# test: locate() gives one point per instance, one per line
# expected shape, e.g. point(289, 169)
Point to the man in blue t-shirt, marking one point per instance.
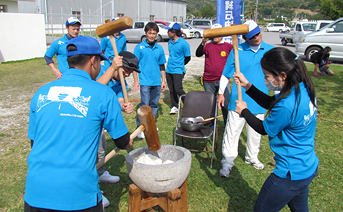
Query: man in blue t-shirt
point(107, 49)
point(65, 123)
point(151, 64)
point(179, 56)
point(58, 48)
point(110, 77)
point(250, 55)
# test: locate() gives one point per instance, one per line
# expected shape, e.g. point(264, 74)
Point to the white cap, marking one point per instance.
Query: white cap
point(253, 29)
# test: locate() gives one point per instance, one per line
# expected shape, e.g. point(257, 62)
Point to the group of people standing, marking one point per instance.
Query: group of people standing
point(69, 116)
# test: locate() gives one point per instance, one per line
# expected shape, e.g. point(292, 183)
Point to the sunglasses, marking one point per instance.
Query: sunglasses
point(253, 37)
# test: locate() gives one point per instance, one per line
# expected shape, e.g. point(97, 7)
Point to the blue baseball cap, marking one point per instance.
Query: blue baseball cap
point(85, 45)
point(72, 20)
point(175, 26)
point(253, 29)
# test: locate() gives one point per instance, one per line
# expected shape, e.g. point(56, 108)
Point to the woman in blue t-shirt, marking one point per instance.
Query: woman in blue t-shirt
point(291, 126)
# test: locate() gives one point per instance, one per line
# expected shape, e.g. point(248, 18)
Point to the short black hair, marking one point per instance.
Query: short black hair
point(177, 32)
point(80, 59)
point(151, 26)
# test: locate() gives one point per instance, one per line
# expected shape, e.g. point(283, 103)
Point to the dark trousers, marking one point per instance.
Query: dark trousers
point(97, 208)
point(213, 87)
point(174, 82)
point(276, 192)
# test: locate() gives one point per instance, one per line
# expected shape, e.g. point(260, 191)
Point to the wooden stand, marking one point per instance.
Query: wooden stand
point(174, 201)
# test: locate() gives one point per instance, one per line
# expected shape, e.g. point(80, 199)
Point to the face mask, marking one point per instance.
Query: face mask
point(271, 86)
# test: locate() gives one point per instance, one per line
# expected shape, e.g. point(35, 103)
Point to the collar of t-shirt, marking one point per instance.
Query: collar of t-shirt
point(255, 48)
point(69, 37)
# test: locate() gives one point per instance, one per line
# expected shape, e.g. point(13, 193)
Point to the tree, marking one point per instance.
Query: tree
point(331, 8)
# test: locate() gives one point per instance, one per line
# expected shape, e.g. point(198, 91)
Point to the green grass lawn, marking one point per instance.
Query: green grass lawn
point(206, 190)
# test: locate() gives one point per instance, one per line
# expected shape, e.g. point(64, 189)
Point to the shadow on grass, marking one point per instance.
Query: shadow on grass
point(235, 187)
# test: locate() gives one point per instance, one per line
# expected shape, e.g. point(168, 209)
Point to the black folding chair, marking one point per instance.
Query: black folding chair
point(198, 103)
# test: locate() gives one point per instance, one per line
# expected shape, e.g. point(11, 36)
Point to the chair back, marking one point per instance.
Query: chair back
point(199, 103)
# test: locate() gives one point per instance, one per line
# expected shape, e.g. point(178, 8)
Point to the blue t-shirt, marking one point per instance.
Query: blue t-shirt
point(250, 66)
point(59, 48)
point(150, 59)
point(106, 46)
point(291, 128)
point(115, 85)
point(178, 50)
point(66, 119)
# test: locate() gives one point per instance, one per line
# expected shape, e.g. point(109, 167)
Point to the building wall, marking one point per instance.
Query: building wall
point(26, 31)
point(136, 9)
point(12, 6)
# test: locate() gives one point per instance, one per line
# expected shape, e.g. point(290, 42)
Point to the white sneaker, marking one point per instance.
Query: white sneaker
point(105, 202)
point(256, 163)
point(174, 110)
point(107, 178)
point(225, 172)
point(141, 135)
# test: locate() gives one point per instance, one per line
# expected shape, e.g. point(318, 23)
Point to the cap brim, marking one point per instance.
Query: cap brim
point(102, 57)
point(253, 32)
point(168, 28)
point(132, 68)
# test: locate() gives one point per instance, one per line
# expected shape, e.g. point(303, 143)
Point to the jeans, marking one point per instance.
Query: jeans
point(276, 192)
point(213, 87)
point(174, 82)
point(149, 96)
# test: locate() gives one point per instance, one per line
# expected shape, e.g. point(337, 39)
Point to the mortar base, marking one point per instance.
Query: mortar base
point(172, 201)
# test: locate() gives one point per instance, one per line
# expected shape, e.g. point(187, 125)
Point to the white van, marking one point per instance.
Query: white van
point(331, 35)
point(202, 23)
point(277, 27)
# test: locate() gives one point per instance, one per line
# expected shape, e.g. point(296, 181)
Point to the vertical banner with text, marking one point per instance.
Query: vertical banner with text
point(229, 12)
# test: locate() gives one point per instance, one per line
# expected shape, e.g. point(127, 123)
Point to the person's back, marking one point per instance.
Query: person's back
point(66, 118)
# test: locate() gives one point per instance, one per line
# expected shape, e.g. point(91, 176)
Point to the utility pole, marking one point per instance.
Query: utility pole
point(256, 10)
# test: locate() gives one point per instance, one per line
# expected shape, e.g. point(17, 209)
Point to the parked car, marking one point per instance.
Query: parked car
point(322, 23)
point(198, 33)
point(331, 35)
point(137, 33)
point(186, 32)
point(277, 27)
point(295, 34)
point(202, 23)
point(166, 23)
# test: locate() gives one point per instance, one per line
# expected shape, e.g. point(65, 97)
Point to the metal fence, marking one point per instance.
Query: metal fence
point(55, 23)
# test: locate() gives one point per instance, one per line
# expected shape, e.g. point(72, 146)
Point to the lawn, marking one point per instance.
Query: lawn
point(206, 190)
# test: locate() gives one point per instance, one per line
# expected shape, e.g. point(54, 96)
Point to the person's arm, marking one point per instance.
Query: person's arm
point(187, 59)
point(106, 77)
point(51, 64)
point(123, 142)
point(200, 50)
point(224, 81)
point(260, 98)
point(163, 77)
point(136, 86)
point(253, 121)
point(127, 108)
point(57, 72)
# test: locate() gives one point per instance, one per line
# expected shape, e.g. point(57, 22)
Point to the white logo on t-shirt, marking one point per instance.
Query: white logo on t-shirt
point(60, 42)
point(308, 118)
point(69, 95)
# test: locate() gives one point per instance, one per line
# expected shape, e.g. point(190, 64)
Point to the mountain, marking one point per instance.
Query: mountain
point(266, 8)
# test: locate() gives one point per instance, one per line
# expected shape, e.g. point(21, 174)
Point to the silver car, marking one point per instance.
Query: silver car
point(198, 33)
point(137, 33)
point(331, 35)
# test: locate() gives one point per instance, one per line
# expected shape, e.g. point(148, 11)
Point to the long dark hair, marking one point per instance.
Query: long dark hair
point(279, 60)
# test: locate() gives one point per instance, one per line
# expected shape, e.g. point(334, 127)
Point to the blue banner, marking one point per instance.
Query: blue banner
point(229, 12)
